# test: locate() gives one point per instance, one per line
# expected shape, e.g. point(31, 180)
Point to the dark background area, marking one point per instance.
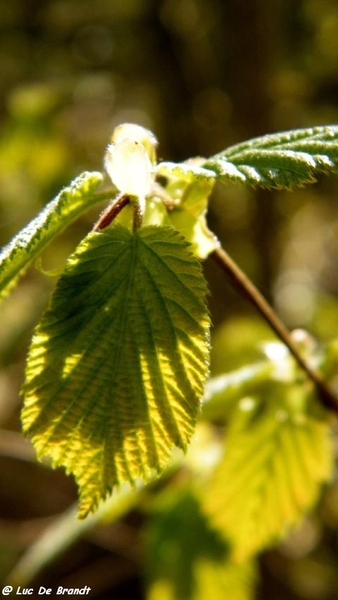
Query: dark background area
point(202, 76)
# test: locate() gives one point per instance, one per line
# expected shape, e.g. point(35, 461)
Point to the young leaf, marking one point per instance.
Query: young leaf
point(188, 171)
point(118, 363)
point(189, 217)
point(276, 459)
point(281, 160)
point(28, 243)
point(190, 186)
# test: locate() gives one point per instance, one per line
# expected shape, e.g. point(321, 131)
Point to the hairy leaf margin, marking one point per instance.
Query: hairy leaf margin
point(281, 160)
point(118, 363)
point(70, 203)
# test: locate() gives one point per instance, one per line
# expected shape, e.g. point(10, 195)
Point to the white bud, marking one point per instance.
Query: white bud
point(128, 164)
point(132, 131)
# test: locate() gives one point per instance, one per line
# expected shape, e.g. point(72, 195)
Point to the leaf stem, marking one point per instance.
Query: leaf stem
point(247, 289)
point(139, 208)
point(111, 212)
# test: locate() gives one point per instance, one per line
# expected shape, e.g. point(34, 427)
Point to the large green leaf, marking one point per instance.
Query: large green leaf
point(28, 243)
point(117, 366)
point(277, 456)
point(281, 160)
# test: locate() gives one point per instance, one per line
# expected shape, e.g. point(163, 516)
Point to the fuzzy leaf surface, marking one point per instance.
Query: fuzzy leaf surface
point(57, 214)
point(188, 171)
point(277, 457)
point(281, 160)
point(117, 366)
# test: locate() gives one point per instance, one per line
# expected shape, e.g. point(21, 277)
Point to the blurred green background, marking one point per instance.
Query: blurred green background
point(201, 75)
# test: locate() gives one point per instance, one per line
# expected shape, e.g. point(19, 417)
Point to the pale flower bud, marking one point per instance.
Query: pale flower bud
point(128, 164)
point(138, 133)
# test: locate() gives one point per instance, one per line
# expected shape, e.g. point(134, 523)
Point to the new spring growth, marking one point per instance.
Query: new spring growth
point(129, 162)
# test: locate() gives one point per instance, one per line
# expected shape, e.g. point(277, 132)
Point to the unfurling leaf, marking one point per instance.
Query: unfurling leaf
point(29, 243)
point(118, 363)
point(277, 457)
point(281, 160)
point(189, 186)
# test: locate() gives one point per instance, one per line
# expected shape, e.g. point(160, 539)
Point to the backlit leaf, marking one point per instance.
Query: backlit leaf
point(281, 160)
point(277, 456)
point(188, 186)
point(189, 216)
point(117, 365)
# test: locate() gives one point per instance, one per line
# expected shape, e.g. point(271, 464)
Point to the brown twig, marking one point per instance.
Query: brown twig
point(245, 286)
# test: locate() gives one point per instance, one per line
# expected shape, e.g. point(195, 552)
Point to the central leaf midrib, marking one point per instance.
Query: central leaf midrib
point(115, 362)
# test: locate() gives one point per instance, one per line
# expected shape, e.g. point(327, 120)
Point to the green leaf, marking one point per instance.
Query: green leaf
point(276, 458)
point(186, 560)
point(281, 160)
point(189, 171)
point(189, 186)
point(117, 366)
point(28, 243)
point(223, 391)
point(189, 217)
